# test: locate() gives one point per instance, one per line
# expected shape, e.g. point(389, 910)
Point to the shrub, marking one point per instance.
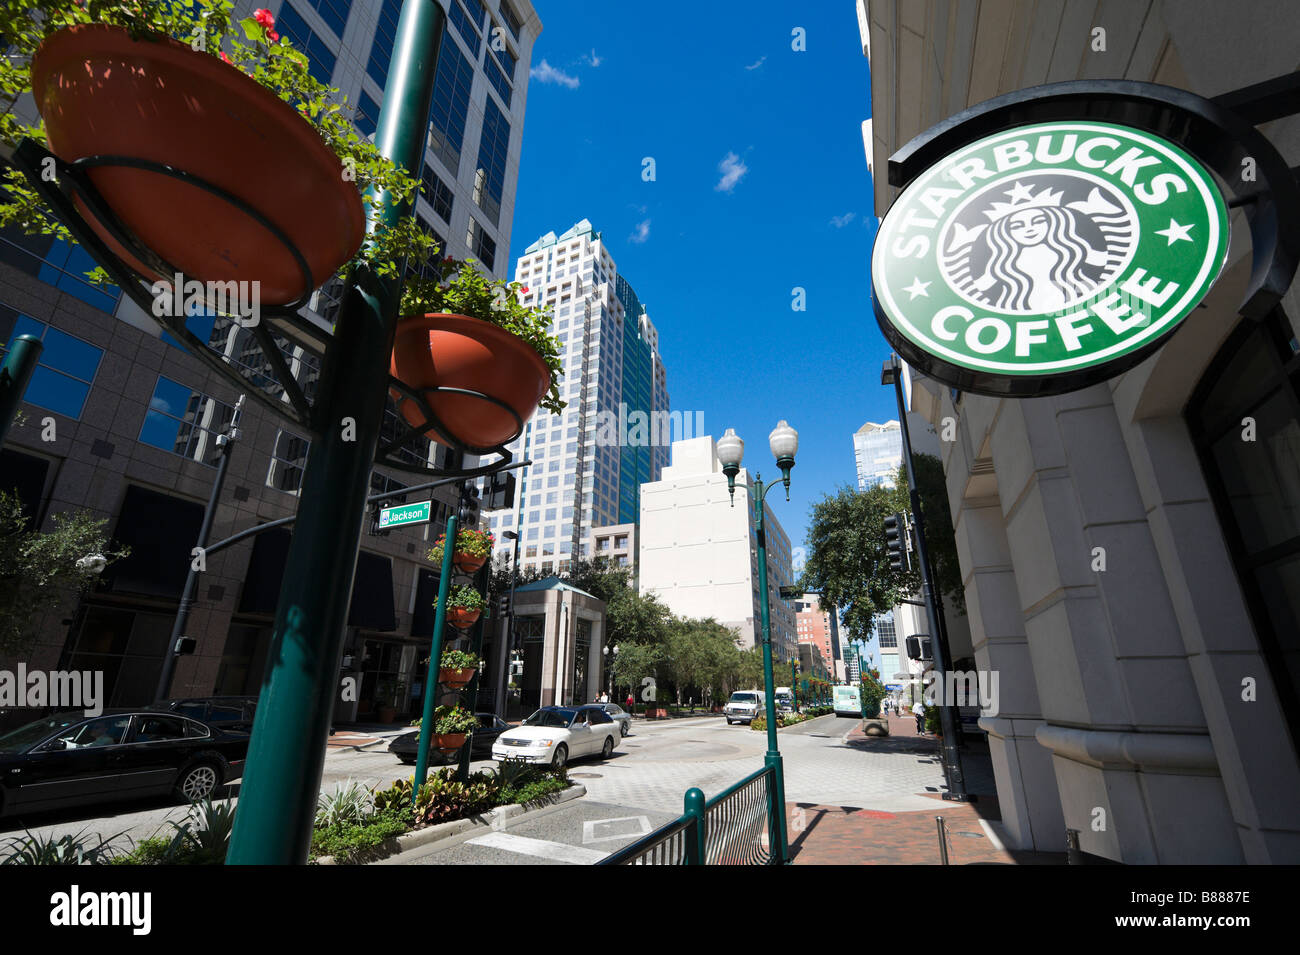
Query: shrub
point(349, 804)
point(396, 797)
point(530, 791)
point(350, 844)
point(35, 849)
point(442, 799)
point(203, 837)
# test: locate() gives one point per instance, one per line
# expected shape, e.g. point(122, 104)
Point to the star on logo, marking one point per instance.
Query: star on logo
point(1175, 232)
point(1020, 193)
point(917, 288)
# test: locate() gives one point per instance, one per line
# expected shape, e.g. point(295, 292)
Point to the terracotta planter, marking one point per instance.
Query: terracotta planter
point(455, 351)
point(455, 679)
point(448, 742)
point(467, 563)
point(103, 94)
point(461, 618)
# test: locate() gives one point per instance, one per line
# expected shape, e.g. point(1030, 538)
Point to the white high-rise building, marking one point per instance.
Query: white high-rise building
point(590, 461)
point(699, 553)
point(878, 452)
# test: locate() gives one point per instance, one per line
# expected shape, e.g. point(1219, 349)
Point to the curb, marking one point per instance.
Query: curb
point(446, 830)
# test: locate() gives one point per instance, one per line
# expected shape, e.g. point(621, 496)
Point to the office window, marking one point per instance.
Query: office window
point(65, 369)
point(464, 27)
point(493, 147)
point(367, 115)
point(512, 21)
point(481, 244)
point(333, 12)
point(381, 49)
point(288, 459)
point(184, 421)
point(55, 262)
point(451, 88)
point(497, 77)
point(436, 193)
point(320, 57)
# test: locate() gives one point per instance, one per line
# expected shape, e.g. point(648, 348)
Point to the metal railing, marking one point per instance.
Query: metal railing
point(735, 827)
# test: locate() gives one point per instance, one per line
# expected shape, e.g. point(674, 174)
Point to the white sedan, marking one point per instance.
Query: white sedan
point(556, 734)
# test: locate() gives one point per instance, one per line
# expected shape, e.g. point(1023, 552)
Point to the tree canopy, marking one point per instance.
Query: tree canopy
point(848, 562)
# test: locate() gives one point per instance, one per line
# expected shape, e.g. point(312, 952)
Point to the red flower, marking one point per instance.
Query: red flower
point(226, 58)
point(264, 18)
point(275, 37)
point(524, 290)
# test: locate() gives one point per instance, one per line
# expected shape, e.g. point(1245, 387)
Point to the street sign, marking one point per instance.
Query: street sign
point(1048, 257)
point(791, 593)
point(405, 514)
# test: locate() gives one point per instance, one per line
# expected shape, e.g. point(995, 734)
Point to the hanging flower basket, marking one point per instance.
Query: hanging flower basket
point(448, 743)
point(462, 618)
point(455, 679)
point(155, 100)
point(472, 550)
point(507, 375)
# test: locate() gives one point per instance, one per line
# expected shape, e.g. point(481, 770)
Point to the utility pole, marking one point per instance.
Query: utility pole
point(892, 375)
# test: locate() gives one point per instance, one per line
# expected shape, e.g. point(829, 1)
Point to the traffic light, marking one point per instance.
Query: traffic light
point(469, 506)
point(918, 647)
point(500, 493)
point(895, 527)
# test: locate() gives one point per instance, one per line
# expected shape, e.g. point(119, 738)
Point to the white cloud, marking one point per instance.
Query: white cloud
point(642, 232)
point(593, 59)
point(757, 63)
point(841, 221)
point(733, 170)
point(545, 73)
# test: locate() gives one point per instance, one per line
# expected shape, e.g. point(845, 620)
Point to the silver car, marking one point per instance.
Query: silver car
point(618, 715)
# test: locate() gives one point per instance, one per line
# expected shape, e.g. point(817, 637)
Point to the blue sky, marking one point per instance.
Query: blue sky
point(715, 266)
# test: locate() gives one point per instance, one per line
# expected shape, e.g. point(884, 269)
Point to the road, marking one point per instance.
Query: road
point(637, 790)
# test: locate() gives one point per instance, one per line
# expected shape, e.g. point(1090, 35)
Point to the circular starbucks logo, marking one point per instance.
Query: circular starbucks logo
point(1048, 257)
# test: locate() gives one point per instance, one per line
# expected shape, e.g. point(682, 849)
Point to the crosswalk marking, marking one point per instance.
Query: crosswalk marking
point(541, 848)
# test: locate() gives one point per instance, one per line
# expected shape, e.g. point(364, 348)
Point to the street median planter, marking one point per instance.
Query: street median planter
point(133, 106)
point(503, 373)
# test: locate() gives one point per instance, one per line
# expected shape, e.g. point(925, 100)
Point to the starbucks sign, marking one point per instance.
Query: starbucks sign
point(1048, 257)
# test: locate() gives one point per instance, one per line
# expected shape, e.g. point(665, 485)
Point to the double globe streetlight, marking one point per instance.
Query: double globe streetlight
point(784, 442)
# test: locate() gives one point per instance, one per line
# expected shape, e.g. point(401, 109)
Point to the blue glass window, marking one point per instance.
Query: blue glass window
point(367, 117)
point(494, 146)
point(333, 12)
point(466, 29)
point(481, 244)
point(451, 90)
point(184, 421)
point(498, 80)
point(60, 264)
point(436, 193)
point(381, 48)
point(320, 58)
point(65, 369)
point(200, 325)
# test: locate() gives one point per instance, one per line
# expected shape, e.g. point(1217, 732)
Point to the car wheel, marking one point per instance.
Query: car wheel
point(407, 760)
point(622, 729)
point(561, 756)
point(730, 721)
point(198, 782)
point(608, 749)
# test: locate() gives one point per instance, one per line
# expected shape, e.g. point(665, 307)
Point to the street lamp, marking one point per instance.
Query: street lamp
point(609, 672)
point(784, 443)
point(508, 638)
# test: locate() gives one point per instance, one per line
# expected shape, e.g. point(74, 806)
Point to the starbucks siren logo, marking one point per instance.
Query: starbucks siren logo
point(1061, 250)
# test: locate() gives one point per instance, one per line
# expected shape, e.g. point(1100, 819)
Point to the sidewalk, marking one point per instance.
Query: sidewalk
point(849, 835)
point(362, 735)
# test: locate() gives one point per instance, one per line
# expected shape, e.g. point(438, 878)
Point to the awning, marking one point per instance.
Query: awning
point(161, 531)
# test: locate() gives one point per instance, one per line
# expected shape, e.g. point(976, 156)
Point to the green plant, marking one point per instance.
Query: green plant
point(204, 835)
point(350, 804)
point(459, 660)
point(453, 719)
point(471, 542)
point(932, 723)
point(36, 849)
point(257, 50)
point(463, 598)
point(530, 791)
point(352, 843)
point(154, 851)
point(459, 288)
point(395, 798)
point(442, 798)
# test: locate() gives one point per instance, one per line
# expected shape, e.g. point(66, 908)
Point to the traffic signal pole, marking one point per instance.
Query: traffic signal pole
point(947, 712)
point(286, 755)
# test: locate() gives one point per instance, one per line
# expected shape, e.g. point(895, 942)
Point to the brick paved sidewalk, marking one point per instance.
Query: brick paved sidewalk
point(849, 835)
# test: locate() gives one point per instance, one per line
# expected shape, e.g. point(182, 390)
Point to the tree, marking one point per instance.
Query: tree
point(38, 569)
point(848, 561)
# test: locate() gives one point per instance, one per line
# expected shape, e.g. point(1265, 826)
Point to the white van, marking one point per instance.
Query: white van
point(784, 698)
point(847, 700)
point(743, 706)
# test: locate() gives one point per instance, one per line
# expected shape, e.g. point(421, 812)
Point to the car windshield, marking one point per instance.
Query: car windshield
point(743, 698)
point(33, 733)
point(549, 717)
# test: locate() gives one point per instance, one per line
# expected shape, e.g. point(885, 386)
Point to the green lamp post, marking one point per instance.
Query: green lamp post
point(794, 683)
point(783, 442)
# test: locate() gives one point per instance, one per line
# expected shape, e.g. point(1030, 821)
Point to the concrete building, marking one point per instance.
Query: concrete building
point(814, 623)
point(136, 416)
point(617, 543)
point(877, 452)
point(700, 555)
point(1150, 706)
point(561, 632)
point(590, 461)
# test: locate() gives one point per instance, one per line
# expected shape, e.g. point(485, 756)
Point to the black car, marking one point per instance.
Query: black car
point(224, 712)
point(490, 726)
point(69, 759)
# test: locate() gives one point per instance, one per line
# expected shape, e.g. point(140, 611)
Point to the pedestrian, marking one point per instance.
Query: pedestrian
point(918, 710)
point(604, 697)
point(631, 703)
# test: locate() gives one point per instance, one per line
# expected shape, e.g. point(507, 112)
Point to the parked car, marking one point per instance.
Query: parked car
point(407, 746)
point(784, 699)
point(556, 734)
point(225, 712)
point(69, 759)
point(618, 715)
point(743, 706)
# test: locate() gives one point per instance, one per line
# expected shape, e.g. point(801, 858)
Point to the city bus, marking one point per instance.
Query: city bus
point(847, 700)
